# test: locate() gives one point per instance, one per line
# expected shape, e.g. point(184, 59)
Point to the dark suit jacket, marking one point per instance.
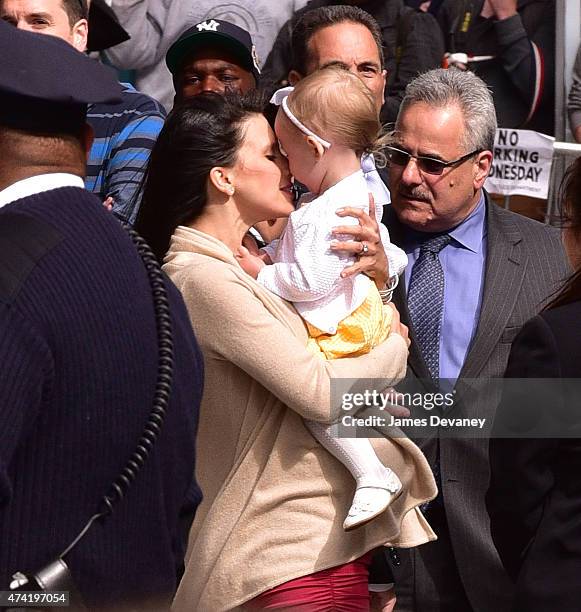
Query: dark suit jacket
point(525, 264)
point(535, 495)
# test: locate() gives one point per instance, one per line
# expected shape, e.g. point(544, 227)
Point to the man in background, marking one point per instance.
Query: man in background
point(154, 25)
point(213, 56)
point(510, 45)
point(125, 132)
point(349, 37)
point(574, 99)
point(411, 43)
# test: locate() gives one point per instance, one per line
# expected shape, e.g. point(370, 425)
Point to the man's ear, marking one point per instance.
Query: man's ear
point(384, 75)
point(317, 148)
point(222, 179)
point(294, 77)
point(80, 34)
point(87, 137)
point(483, 165)
point(177, 86)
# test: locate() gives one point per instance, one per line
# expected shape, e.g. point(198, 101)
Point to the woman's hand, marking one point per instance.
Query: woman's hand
point(250, 243)
point(249, 262)
point(499, 9)
point(365, 243)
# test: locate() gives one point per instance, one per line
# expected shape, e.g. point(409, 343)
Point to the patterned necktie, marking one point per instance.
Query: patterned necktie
point(426, 300)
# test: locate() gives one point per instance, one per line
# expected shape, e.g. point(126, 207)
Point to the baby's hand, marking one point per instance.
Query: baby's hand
point(265, 257)
point(251, 264)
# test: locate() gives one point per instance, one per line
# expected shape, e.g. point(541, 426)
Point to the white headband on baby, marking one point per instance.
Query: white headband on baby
point(279, 98)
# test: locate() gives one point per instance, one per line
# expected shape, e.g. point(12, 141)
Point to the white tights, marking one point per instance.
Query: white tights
point(356, 454)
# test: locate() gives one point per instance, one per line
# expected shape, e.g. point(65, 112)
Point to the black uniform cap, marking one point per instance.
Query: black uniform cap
point(46, 85)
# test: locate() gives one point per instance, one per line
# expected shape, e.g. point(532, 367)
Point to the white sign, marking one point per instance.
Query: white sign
point(521, 164)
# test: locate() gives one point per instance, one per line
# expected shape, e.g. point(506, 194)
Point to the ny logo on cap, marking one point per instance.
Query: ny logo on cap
point(209, 26)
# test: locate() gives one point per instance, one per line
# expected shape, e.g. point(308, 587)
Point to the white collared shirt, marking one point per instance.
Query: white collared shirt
point(305, 271)
point(39, 184)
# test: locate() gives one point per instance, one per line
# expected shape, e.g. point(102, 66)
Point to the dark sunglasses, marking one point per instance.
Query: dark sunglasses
point(429, 165)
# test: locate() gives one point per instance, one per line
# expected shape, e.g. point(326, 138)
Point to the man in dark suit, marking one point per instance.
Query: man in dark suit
point(477, 273)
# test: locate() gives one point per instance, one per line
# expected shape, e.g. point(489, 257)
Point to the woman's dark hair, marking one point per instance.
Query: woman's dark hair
point(199, 134)
point(570, 198)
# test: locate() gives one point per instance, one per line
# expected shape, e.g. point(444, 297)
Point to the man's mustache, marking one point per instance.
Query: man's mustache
point(415, 194)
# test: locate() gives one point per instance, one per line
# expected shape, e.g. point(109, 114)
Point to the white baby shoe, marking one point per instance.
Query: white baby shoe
point(370, 501)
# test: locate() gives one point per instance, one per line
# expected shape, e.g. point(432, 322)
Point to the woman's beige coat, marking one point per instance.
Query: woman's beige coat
point(274, 498)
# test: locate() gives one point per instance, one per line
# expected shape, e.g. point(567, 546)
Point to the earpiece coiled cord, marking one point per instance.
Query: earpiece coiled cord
point(161, 396)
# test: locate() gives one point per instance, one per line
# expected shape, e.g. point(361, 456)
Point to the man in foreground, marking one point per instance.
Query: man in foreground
point(81, 355)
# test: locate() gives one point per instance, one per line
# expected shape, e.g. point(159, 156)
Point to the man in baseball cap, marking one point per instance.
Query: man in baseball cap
point(213, 55)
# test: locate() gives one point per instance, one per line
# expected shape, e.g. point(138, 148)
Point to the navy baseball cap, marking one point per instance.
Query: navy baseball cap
point(214, 32)
point(46, 85)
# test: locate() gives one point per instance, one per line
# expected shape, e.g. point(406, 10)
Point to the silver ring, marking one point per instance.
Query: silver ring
point(365, 248)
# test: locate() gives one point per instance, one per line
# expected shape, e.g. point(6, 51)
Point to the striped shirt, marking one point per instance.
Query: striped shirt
point(124, 136)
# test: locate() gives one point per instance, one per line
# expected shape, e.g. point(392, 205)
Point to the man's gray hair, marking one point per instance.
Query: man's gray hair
point(441, 88)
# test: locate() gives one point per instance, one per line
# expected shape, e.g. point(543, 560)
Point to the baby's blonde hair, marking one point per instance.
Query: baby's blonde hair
point(336, 105)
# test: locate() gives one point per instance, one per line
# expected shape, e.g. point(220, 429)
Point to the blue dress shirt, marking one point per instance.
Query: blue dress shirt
point(463, 262)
